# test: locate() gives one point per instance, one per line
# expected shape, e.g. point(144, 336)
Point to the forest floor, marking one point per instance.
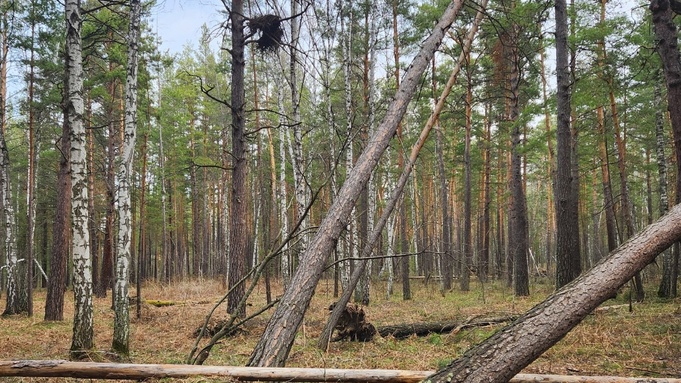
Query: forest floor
point(644, 342)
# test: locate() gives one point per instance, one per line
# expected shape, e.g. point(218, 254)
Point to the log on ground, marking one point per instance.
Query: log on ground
point(401, 331)
point(91, 370)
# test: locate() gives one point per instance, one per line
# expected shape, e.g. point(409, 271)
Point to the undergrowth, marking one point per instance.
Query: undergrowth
point(643, 342)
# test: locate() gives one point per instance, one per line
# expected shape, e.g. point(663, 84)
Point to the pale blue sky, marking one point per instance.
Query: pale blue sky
point(178, 22)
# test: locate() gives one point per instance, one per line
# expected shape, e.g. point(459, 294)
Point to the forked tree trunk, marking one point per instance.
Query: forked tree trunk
point(508, 351)
point(83, 326)
point(275, 343)
point(121, 333)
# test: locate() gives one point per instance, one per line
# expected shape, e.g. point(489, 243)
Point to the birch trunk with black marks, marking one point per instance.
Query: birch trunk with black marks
point(121, 333)
point(83, 331)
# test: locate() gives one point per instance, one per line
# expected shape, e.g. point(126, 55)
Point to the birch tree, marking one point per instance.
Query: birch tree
point(6, 209)
point(121, 332)
point(83, 332)
point(276, 341)
point(8, 223)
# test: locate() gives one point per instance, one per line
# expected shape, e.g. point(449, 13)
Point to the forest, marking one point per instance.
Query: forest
point(375, 146)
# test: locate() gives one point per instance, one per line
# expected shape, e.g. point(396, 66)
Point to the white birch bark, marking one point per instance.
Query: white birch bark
point(349, 153)
point(298, 157)
point(283, 195)
point(7, 236)
point(10, 249)
point(83, 332)
point(121, 332)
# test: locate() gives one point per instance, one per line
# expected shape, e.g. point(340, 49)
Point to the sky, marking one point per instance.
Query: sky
point(178, 22)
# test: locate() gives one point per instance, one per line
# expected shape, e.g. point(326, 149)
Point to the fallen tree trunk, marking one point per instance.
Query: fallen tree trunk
point(401, 331)
point(514, 347)
point(90, 370)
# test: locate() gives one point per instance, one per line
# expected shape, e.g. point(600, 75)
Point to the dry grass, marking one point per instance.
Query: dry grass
point(646, 342)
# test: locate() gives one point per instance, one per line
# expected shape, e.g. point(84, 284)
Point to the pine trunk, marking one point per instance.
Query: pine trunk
point(568, 258)
point(667, 47)
point(238, 225)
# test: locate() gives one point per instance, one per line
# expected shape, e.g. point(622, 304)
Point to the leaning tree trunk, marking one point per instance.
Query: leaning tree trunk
point(508, 351)
point(121, 333)
point(83, 330)
point(275, 343)
point(667, 48)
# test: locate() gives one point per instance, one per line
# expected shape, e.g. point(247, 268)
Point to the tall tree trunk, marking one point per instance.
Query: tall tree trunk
point(283, 197)
point(13, 305)
point(61, 234)
point(275, 343)
point(121, 333)
point(550, 166)
point(6, 208)
point(445, 218)
point(404, 243)
point(300, 186)
point(142, 261)
point(467, 256)
point(4, 50)
point(668, 283)
point(238, 226)
point(31, 172)
point(667, 48)
point(518, 214)
point(83, 330)
point(568, 258)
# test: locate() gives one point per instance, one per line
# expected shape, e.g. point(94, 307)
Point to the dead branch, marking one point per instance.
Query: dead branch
point(117, 371)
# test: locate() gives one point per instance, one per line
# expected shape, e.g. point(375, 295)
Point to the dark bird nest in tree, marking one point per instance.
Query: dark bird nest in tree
point(269, 27)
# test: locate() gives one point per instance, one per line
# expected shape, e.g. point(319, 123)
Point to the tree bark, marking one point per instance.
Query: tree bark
point(568, 258)
point(667, 48)
point(508, 351)
point(406, 330)
point(83, 327)
point(54, 302)
point(667, 283)
point(128, 371)
point(519, 246)
point(238, 237)
point(121, 333)
point(6, 209)
point(277, 339)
